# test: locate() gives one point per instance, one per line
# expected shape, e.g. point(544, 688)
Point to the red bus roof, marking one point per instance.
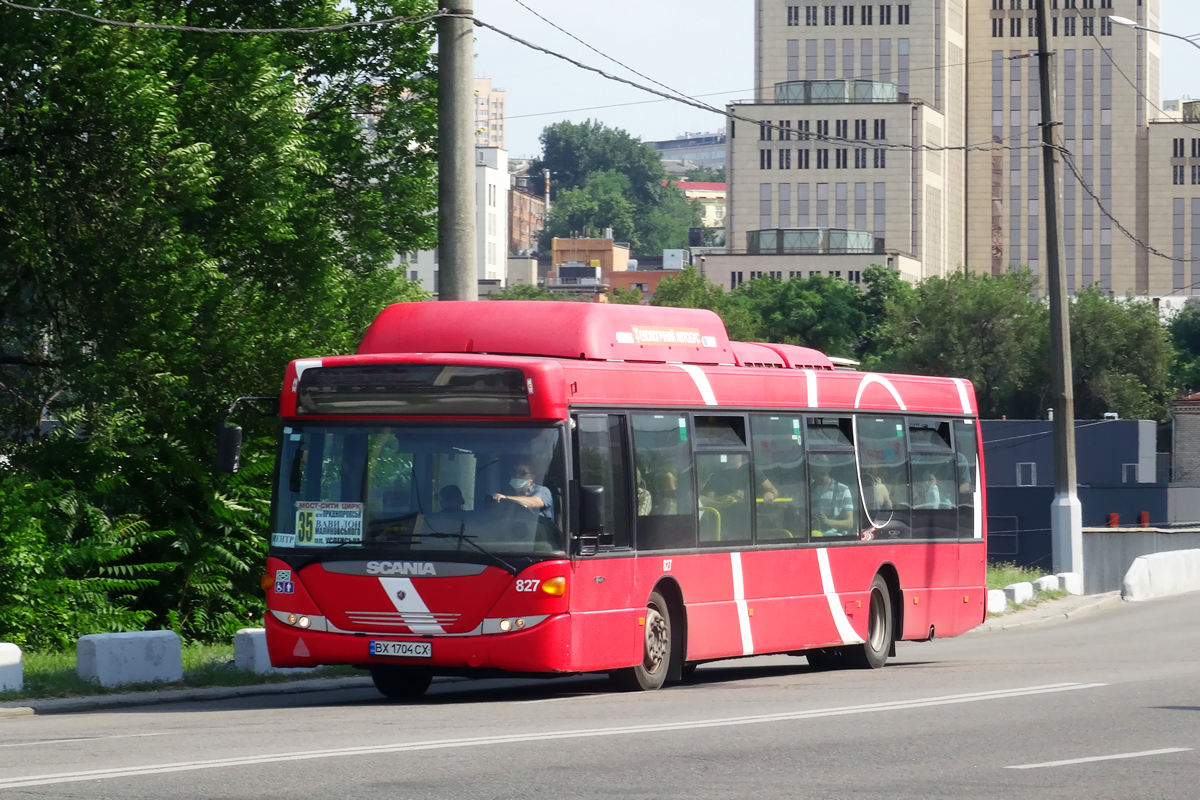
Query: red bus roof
point(590, 331)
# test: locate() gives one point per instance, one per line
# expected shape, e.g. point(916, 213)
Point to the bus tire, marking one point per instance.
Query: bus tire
point(651, 674)
point(873, 653)
point(399, 683)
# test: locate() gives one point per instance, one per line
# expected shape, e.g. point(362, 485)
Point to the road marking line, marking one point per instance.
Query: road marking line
point(85, 739)
point(1101, 758)
point(443, 744)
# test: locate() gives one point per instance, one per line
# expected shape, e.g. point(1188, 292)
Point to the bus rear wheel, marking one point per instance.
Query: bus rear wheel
point(400, 683)
point(873, 653)
point(656, 651)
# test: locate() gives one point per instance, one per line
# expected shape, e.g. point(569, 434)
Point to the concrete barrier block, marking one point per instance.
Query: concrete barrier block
point(1046, 583)
point(1071, 582)
point(12, 669)
point(1162, 575)
point(1018, 593)
point(997, 603)
point(250, 653)
point(114, 659)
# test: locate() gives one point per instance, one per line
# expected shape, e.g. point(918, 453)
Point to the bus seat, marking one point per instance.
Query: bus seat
point(710, 524)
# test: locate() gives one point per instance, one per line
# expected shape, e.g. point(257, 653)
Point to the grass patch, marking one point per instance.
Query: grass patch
point(49, 675)
point(1002, 574)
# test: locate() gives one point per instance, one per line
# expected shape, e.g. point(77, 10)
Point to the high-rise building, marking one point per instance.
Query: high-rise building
point(1107, 87)
point(489, 115)
point(909, 134)
point(838, 163)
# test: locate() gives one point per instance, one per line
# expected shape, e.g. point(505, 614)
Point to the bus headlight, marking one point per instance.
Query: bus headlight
point(555, 587)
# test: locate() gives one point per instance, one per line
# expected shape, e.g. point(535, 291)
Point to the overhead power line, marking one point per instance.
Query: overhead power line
point(245, 31)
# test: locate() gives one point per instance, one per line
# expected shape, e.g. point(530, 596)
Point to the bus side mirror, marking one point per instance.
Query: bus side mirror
point(229, 448)
point(591, 511)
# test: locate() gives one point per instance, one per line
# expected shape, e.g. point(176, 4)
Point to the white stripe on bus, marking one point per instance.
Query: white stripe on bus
point(701, 381)
point(408, 602)
point(962, 394)
point(882, 381)
point(306, 363)
point(810, 377)
point(739, 597)
point(845, 629)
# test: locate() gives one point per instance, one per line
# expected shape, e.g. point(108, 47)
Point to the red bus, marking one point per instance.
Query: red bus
point(545, 488)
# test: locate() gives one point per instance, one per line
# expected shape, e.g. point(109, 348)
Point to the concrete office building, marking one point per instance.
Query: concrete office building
point(1107, 82)
point(489, 115)
point(1173, 227)
point(853, 89)
point(840, 164)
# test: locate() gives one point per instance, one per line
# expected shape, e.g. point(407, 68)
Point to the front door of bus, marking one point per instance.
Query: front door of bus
point(605, 623)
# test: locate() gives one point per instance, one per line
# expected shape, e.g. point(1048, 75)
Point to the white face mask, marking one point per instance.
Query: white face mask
point(518, 483)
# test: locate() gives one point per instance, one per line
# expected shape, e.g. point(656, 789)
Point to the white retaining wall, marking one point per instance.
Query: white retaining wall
point(114, 659)
point(12, 672)
point(1162, 574)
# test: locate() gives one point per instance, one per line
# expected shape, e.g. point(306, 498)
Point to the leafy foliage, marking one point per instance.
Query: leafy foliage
point(183, 214)
point(602, 177)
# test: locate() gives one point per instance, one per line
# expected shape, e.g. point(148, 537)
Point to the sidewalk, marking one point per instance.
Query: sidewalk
point(1049, 612)
point(104, 702)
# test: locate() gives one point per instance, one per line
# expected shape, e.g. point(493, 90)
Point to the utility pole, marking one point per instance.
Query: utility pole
point(458, 271)
point(1066, 515)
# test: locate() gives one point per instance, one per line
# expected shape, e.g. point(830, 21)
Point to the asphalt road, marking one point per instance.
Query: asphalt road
point(1115, 695)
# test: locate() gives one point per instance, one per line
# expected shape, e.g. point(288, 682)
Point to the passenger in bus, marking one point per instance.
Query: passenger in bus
point(726, 485)
point(928, 493)
point(832, 504)
point(452, 498)
point(525, 492)
point(664, 488)
point(880, 495)
point(645, 500)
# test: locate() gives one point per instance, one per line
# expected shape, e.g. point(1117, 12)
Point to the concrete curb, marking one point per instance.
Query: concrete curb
point(104, 702)
point(1050, 615)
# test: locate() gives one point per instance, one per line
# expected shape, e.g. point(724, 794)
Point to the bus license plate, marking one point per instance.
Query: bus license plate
point(402, 649)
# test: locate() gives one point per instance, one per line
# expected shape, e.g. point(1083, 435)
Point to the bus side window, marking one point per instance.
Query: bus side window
point(833, 496)
point(601, 440)
point(966, 460)
point(883, 465)
point(662, 456)
point(935, 510)
point(781, 491)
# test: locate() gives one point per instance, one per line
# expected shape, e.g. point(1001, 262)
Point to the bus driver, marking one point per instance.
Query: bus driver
point(527, 493)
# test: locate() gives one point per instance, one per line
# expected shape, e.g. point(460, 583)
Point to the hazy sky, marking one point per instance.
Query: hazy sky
point(699, 47)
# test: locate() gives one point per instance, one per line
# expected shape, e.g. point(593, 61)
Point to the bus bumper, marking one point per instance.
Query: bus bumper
point(543, 648)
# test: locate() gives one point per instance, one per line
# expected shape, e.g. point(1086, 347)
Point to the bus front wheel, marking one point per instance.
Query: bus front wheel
point(873, 653)
point(656, 650)
point(399, 683)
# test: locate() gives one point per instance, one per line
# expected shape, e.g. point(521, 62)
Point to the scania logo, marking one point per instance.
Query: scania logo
point(400, 595)
point(400, 568)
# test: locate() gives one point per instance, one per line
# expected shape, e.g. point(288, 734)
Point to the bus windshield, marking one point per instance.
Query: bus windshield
point(412, 489)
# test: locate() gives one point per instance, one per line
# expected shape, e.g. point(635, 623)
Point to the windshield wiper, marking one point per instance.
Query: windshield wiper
point(462, 538)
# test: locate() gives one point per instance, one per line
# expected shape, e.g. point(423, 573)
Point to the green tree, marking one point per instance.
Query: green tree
point(183, 214)
point(1184, 328)
point(592, 166)
point(1121, 357)
point(622, 296)
point(706, 175)
point(983, 328)
point(572, 151)
point(524, 291)
point(598, 204)
point(821, 312)
point(690, 289)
